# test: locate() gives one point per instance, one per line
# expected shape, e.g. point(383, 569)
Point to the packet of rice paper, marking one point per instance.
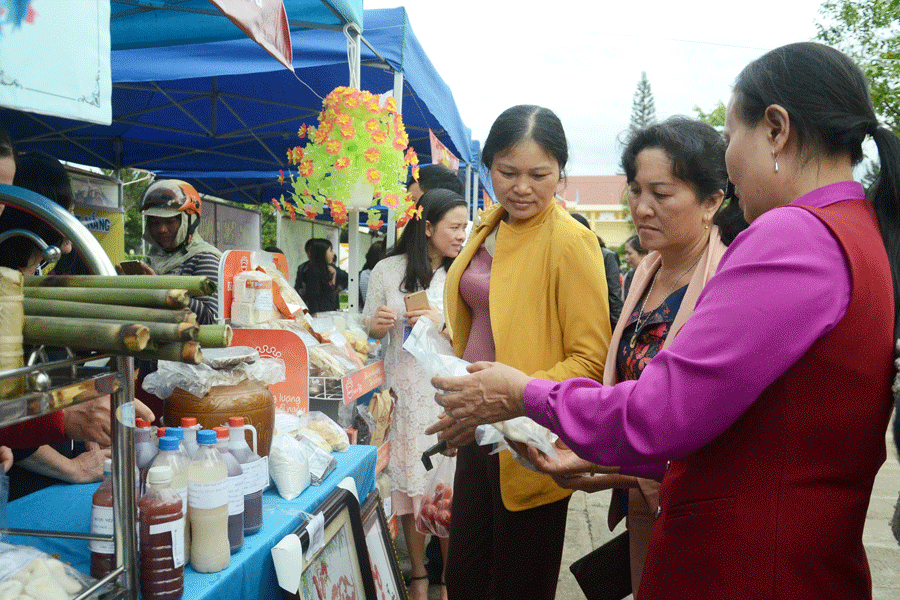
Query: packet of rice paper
point(435, 354)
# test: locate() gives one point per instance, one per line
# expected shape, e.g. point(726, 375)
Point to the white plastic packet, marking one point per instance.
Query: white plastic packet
point(288, 466)
point(28, 571)
point(327, 428)
point(435, 355)
point(321, 463)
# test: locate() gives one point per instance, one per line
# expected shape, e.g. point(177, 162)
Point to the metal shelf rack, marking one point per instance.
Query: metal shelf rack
point(57, 384)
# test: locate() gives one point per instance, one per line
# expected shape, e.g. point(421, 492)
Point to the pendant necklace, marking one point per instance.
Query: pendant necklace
point(637, 322)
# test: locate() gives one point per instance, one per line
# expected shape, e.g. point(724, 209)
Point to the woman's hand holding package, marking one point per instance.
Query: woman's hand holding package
point(450, 430)
point(413, 316)
point(381, 322)
point(568, 470)
point(492, 392)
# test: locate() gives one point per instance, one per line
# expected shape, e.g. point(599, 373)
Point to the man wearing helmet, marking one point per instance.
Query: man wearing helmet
point(171, 210)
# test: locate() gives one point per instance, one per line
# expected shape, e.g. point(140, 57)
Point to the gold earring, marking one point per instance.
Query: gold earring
point(776, 160)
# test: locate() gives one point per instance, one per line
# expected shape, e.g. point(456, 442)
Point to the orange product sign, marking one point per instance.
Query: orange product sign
point(292, 394)
point(361, 382)
point(383, 457)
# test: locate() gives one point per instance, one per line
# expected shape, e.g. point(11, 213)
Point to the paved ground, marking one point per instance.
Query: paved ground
point(587, 530)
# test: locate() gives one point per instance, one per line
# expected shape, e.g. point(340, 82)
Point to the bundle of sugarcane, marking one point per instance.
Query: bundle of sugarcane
point(194, 285)
point(141, 316)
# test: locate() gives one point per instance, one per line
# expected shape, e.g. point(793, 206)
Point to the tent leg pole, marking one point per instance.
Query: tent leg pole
point(353, 265)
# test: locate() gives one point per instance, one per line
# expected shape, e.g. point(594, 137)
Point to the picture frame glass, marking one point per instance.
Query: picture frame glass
point(334, 572)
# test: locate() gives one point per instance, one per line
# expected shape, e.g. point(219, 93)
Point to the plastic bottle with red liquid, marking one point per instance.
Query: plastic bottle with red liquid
point(162, 538)
point(144, 452)
point(190, 426)
point(256, 473)
point(235, 491)
point(170, 456)
point(103, 553)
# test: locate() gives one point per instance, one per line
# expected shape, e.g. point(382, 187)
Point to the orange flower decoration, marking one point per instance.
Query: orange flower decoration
point(391, 200)
point(310, 212)
point(348, 133)
point(376, 226)
point(281, 176)
point(342, 119)
point(333, 146)
point(411, 157)
point(399, 143)
point(372, 155)
point(302, 133)
point(372, 125)
point(342, 163)
point(373, 107)
point(374, 176)
point(378, 136)
point(306, 168)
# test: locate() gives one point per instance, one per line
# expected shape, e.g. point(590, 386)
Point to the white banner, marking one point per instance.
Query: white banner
point(55, 58)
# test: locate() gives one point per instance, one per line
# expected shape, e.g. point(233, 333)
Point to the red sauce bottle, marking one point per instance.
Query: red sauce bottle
point(103, 554)
point(162, 538)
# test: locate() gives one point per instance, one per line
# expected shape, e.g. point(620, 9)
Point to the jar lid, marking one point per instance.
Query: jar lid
point(225, 358)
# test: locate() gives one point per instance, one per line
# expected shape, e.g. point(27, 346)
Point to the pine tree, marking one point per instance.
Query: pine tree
point(643, 108)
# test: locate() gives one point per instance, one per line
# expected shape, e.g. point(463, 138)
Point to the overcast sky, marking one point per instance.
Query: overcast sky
point(583, 58)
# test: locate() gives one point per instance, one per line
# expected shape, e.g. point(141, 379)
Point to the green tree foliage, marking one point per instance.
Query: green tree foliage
point(715, 117)
point(869, 32)
point(643, 107)
point(268, 218)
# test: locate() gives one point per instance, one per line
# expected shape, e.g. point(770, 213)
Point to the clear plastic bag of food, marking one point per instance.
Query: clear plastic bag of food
point(322, 424)
point(26, 571)
point(321, 463)
point(434, 353)
point(198, 379)
point(288, 466)
point(435, 511)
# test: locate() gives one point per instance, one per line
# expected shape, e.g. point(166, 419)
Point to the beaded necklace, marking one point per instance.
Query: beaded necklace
point(637, 322)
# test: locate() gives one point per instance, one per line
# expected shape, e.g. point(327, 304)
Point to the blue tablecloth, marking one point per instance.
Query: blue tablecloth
point(251, 573)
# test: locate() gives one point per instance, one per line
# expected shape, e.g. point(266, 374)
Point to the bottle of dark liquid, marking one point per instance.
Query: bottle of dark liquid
point(256, 474)
point(235, 491)
point(162, 538)
point(103, 554)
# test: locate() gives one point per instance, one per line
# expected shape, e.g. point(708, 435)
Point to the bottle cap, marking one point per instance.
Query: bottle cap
point(160, 431)
point(175, 432)
point(107, 466)
point(141, 423)
point(159, 475)
point(206, 436)
point(235, 421)
point(188, 421)
point(222, 432)
point(168, 443)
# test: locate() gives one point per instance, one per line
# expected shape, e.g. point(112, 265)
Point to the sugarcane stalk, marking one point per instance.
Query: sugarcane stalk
point(166, 332)
point(186, 352)
point(86, 334)
point(215, 336)
point(196, 285)
point(88, 310)
point(167, 299)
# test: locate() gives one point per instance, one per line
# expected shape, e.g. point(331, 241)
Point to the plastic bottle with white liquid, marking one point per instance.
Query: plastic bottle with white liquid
point(170, 455)
point(208, 506)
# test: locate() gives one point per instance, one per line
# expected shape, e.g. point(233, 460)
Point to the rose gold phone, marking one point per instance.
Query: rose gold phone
point(416, 300)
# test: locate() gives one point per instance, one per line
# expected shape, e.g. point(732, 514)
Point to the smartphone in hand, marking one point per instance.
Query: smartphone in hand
point(416, 300)
point(132, 267)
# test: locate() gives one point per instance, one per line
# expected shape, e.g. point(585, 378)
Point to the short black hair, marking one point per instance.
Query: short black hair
point(439, 177)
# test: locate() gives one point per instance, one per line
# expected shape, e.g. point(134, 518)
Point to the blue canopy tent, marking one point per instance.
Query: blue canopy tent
point(147, 23)
point(228, 107)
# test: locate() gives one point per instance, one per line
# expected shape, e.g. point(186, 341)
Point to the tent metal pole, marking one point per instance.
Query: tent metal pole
point(353, 265)
point(469, 197)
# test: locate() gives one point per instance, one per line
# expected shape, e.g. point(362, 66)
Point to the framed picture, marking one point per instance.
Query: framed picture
point(339, 570)
point(386, 572)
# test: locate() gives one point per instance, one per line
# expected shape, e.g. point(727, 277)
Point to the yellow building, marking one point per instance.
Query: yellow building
point(600, 199)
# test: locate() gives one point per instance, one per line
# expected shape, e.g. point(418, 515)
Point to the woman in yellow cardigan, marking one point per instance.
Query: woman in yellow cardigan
point(528, 290)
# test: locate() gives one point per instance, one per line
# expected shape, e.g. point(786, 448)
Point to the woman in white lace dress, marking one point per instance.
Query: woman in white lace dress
point(419, 261)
